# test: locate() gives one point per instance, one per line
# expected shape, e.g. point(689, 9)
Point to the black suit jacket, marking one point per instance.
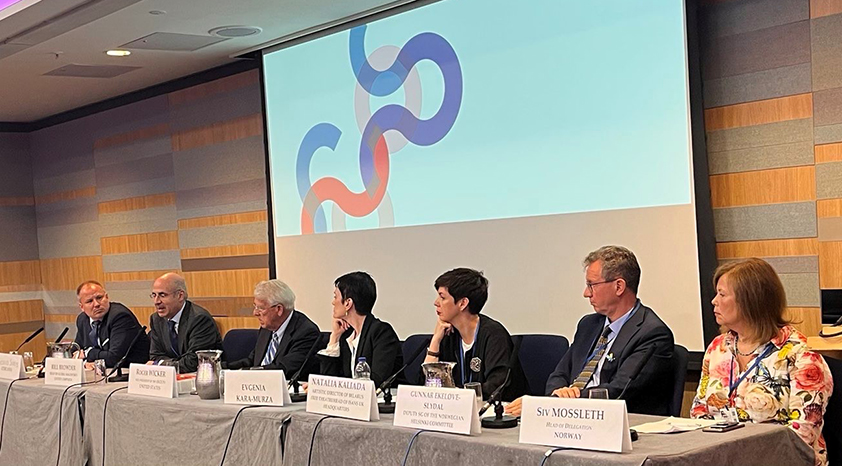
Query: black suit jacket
point(493, 347)
point(651, 391)
point(378, 343)
point(196, 331)
point(298, 338)
point(119, 326)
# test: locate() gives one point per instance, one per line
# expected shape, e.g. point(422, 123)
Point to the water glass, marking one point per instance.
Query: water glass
point(477, 388)
point(598, 393)
point(99, 370)
point(28, 361)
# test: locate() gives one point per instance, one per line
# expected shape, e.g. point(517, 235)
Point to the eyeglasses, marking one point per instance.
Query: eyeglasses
point(162, 294)
point(591, 285)
point(264, 309)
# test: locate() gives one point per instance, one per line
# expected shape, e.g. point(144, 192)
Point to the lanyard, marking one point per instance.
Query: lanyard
point(462, 354)
point(754, 366)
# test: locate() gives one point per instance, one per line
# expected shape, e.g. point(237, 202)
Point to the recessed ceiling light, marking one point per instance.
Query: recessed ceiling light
point(118, 53)
point(157, 12)
point(235, 31)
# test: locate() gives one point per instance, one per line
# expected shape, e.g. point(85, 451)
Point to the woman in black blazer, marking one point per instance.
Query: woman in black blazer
point(357, 333)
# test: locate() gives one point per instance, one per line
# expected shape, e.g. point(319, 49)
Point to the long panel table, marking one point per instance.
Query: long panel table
point(142, 430)
point(342, 441)
point(29, 434)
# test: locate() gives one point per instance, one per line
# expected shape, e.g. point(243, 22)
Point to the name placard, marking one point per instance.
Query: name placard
point(451, 410)
point(341, 397)
point(11, 367)
point(152, 381)
point(581, 423)
point(64, 372)
point(256, 388)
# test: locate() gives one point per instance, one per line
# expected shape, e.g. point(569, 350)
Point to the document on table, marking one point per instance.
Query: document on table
point(671, 425)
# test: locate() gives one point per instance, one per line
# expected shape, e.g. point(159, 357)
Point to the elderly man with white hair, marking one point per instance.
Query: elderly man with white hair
point(285, 336)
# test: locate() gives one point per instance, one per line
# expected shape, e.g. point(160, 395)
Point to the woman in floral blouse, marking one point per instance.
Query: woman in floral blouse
point(761, 366)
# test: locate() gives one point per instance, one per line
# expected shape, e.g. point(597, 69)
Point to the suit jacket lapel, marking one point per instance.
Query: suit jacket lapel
point(287, 337)
point(182, 327)
point(592, 335)
point(361, 343)
point(260, 346)
point(629, 330)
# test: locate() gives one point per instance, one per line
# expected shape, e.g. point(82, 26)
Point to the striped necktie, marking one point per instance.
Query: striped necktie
point(271, 350)
point(590, 366)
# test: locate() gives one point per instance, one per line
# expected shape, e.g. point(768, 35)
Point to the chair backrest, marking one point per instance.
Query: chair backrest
point(679, 370)
point(539, 355)
point(413, 373)
point(238, 343)
point(832, 429)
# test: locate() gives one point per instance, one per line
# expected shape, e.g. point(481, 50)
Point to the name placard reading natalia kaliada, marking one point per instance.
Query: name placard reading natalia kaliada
point(341, 397)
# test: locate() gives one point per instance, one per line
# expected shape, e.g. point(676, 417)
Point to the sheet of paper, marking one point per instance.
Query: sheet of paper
point(672, 425)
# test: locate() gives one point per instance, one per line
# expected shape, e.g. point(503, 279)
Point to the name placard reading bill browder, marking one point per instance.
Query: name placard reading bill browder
point(64, 372)
point(576, 423)
point(152, 381)
point(441, 409)
point(256, 388)
point(11, 367)
point(341, 397)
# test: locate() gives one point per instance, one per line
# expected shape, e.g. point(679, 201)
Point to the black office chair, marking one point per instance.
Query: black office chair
point(679, 370)
point(539, 355)
point(238, 343)
point(413, 373)
point(832, 429)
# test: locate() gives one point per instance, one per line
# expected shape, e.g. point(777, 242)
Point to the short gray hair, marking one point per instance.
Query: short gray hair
point(275, 292)
point(617, 262)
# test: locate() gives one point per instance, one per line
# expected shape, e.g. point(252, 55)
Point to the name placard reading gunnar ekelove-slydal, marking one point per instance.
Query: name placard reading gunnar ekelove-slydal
point(64, 372)
point(441, 409)
point(341, 397)
point(576, 423)
point(11, 367)
point(152, 381)
point(256, 388)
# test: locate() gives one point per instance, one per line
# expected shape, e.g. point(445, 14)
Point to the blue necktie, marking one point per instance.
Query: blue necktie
point(173, 337)
point(271, 350)
point(94, 335)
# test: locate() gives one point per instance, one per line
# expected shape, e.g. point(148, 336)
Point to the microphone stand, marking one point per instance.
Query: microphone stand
point(297, 396)
point(120, 377)
point(386, 406)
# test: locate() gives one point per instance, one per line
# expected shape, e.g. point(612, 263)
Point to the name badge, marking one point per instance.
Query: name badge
point(152, 381)
point(585, 424)
point(341, 397)
point(11, 367)
point(64, 372)
point(451, 410)
point(256, 388)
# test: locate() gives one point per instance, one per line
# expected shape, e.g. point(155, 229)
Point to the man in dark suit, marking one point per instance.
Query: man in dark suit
point(285, 336)
point(610, 343)
point(105, 329)
point(179, 328)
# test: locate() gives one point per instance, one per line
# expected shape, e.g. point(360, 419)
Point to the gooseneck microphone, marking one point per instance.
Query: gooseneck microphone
point(636, 370)
point(293, 381)
point(500, 421)
point(44, 361)
point(120, 377)
point(29, 338)
point(387, 406)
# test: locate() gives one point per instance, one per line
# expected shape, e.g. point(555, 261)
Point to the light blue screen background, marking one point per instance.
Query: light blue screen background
point(567, 106)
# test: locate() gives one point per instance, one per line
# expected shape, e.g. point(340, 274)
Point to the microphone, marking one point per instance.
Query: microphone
point(388, 382)
point(500, 421)
point(29, 338)
point(293, 381)
point(44, 361)
point(387, 406)
point(120, 377)
point(638, 368)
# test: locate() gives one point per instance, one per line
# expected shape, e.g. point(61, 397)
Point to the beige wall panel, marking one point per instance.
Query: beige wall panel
point(760, 112)
point(90, 191)
point(21, 311)
point(828, 153)
point(218, 86)
point(830, 258)
point(820, 8)
point(144, 242)
point(136, 276)
point(136, 203)
point(67, 273)
point(38, 345)
point(778, 186)
point(808, 320)
point(20, 273)
point(219, 132)
point(226, 251)
point(227, 323)
point(16, 201)
point(226, 219)
point(224, 283)
point(769, 248)
point(123, 138)
point(829, 208)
